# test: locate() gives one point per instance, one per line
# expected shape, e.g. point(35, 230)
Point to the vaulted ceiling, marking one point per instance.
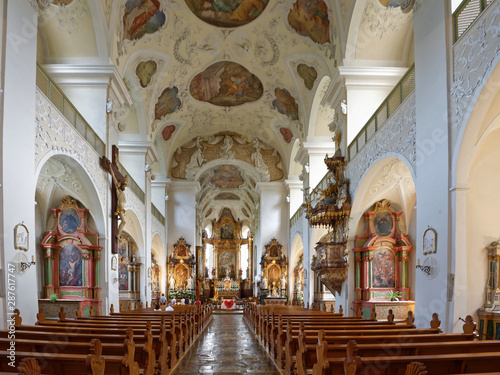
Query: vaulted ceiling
point(224, 88)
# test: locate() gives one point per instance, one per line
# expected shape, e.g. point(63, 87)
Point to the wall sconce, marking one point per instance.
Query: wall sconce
point(147, 168)
point(343, 105)
point(424, 269)
point(26, 265)
point(166, 197)
point(306, 167)
point(288, 199)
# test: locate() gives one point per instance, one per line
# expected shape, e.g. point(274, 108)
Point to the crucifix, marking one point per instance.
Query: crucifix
point(117, 197)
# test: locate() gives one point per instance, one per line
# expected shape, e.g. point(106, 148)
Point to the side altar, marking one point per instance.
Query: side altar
point(273, 284)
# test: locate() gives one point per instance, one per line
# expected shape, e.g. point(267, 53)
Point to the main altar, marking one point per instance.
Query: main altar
point(226, 278)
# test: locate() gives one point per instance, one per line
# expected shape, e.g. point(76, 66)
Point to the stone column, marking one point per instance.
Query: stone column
point(432, 41)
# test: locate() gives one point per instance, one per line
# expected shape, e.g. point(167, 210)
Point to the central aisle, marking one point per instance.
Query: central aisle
point(227, 346)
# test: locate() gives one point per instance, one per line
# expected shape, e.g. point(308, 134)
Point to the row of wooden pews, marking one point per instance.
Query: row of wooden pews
point(135, 342)
point(302, 341)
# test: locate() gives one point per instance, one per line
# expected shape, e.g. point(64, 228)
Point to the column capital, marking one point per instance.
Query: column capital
point(92, 75)
point(270, 186)
point(193, 186)
point(294, 184)
point(371, 76)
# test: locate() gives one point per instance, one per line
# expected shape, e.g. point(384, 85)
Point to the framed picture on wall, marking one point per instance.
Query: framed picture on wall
point(430, 241)
point(21, 237)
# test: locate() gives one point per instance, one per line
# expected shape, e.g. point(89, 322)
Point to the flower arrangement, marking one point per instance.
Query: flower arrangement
point(181, 294)
point(393, 295)
point(53, 298)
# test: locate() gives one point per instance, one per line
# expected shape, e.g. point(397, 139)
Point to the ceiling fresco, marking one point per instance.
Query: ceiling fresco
point(226, 84)
point(190, 158)
point(227, 13)
point(167, 103)
point(145, 72)
point(142, 17)
point(227, 196)
point(310, 18)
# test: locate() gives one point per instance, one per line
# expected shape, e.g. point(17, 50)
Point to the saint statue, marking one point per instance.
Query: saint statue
point(171, 282)
point(283, 281)
point(190, 283)
point(264, 282)
point(274, 290)
point(121, 200)
point(258, 161)
point(226, 147)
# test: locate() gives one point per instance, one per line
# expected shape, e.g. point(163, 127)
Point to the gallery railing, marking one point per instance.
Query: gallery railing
point(68, 110)
point(156, 213)
point(397, 96)
point(132, 184)
point(465, 15)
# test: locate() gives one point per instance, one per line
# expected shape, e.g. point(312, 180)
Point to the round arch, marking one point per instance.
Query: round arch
point(475, 195)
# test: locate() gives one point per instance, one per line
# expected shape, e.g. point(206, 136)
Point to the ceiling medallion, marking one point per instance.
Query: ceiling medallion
point(227, 13)
point(226, 84)
point(142, 17)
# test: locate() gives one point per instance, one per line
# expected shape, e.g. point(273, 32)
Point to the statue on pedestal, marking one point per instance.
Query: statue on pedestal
point(264, 282)
point(171, 282)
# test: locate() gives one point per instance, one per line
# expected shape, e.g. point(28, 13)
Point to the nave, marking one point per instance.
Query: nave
point(227, 346)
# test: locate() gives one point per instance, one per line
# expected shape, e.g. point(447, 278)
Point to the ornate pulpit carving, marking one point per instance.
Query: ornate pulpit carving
point(332, 211)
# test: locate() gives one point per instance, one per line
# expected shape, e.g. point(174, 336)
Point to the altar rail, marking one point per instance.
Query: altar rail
point(465, 15)
point(68, 110)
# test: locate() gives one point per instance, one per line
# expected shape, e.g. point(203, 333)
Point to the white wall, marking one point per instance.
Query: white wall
point(483, 221)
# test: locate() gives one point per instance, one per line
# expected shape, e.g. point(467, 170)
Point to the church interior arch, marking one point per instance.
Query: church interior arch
point(60, 176)
point(477, 197)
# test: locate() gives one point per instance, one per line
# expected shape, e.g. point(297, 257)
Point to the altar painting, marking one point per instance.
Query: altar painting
point(70, 266)
point(69, 221)
point(141, 17)
point(227, 261)
point(383, 223)
point(274, 275)
point(383, 269)
point(122, 277)
point(181, 276)
point(227, 232)
point(227, 13)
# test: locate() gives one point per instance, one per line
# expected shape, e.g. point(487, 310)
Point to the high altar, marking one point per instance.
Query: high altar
point(72, 257)
point(381, 259)
point(228, 281)
point(273, 284)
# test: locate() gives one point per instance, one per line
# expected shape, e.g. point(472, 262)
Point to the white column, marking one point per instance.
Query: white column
point(432, 46)
point(366, 87)
point(274, 222)
point(296, 194)
point(181, 212)
point(316, 150)
point(17, 121)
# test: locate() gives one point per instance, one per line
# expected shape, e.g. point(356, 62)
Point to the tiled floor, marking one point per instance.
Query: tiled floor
point(227, 346)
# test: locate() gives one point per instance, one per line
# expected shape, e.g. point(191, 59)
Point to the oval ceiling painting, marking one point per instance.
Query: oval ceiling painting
point(310, 18)
point(226, 84)
point(227, 13)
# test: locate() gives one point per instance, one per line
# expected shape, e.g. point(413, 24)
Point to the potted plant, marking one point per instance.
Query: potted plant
point(53, 298)
point(393, 295)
